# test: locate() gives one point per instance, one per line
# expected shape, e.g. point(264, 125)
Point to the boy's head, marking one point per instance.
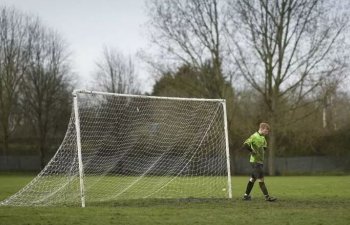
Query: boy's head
point(264, 128)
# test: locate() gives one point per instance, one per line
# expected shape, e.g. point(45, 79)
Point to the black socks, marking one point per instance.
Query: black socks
point(249, 187)
point(263, 188)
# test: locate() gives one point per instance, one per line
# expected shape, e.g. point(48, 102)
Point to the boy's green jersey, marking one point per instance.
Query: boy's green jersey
point(257, 143)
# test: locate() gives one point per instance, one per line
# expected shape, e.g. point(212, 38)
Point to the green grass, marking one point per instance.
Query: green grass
point(301, 200)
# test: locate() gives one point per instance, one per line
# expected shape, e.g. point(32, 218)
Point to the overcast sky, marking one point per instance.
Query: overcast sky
point(88, 25)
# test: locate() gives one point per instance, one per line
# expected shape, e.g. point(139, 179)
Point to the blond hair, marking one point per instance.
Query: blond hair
point(264, 126)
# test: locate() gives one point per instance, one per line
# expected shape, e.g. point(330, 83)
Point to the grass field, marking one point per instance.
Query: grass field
point(301, 200)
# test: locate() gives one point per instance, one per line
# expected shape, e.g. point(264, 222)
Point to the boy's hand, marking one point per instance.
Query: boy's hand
point(246, 147)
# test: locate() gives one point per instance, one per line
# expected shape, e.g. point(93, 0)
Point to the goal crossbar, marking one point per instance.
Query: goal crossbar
point(82, 91)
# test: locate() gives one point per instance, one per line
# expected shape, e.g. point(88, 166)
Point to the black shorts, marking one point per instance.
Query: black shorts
point(258, 170)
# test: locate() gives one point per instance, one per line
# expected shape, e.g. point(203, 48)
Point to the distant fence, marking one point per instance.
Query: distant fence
point(300, 165)
point(20, 163)
point(284, 165)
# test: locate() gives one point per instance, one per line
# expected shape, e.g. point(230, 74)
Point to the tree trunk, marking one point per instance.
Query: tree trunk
point(42, 153)
point(42, 139)
point(273, 120)
point(233, 156)
point(6, 135)
point(271, 152)
point(5, 148)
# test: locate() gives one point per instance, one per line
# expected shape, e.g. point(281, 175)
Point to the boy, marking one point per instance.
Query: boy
point(256, 144)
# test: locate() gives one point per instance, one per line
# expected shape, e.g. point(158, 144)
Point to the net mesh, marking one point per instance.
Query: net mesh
point(135, 147)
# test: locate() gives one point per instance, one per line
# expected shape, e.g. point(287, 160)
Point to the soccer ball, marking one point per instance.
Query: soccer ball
point(224, 189)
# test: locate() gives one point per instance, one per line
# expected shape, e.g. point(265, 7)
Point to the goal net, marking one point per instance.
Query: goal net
point(120, 147)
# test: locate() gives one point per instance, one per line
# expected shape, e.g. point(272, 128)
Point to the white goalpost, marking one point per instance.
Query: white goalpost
point(120, 147)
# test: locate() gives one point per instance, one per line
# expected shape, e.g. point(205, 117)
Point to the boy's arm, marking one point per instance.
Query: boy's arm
point(265, 146)
point(246, 147)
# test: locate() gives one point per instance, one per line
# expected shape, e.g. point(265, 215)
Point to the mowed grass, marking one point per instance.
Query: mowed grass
point(301, 200)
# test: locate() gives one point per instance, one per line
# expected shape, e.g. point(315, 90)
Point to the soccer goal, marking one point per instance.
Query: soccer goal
point(120, 147)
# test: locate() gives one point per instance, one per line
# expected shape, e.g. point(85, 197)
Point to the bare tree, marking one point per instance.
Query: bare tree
point(284, 49)
point(47, 83)
point(116, 73)
point(189, 32)
point(13, 61)
point(329, 88)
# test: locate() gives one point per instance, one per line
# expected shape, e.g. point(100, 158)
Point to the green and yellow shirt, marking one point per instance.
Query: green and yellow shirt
point(257, 143)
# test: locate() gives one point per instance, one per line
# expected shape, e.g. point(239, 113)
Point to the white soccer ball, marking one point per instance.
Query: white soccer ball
point(224, 189)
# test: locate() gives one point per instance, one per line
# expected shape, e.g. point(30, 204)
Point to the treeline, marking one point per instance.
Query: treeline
point(284, 62)
point(35, 84)
point(317, 128)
